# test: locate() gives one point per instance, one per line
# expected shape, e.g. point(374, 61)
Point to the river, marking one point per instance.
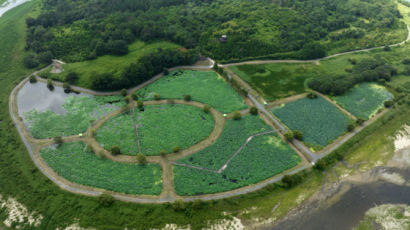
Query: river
point(10, 4)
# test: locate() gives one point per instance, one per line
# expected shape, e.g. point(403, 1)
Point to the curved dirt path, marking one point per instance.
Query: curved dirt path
point(316, 61)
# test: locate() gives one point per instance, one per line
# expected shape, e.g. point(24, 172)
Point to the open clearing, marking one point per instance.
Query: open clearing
point(364, 100)
point(73, 162)
point(86, 70)
point(204, 86)
point(277, 80)
point(319, 121)
point(160, 127)
point(263, 157)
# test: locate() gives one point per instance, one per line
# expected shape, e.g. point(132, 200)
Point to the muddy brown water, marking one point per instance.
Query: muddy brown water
point(350, 209)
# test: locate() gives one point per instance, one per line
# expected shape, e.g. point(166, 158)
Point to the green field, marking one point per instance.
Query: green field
point(109, 63)
point(160, 127)
point(364, 100)
point(263, 157)
point(204, 86)
point(233, 136)
point(277, 80)
point(80, 112)
point(319, 121)
point(75, 164)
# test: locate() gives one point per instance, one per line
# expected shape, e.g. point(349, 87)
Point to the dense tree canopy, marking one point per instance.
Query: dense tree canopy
point(79, 29)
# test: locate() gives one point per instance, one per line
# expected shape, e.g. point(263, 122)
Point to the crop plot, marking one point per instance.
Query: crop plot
point(234, 134)
point(319, 121)
point(73, 162)
point(203, 86)
point(80, 111)
point(263, 157)
point(364, 100)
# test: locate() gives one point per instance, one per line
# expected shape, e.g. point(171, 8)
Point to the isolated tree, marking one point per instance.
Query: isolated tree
point(50, 85)
point(254, 110)
point(360, 121)
point(298, 135)
point(33, 79)
point(71, 77)
point(140, 104)
point(207, 108)
point(289, 136)
point(179, 205)
point(157, 96)
point(134, 97)
point(115, 150)
point(124, 92)
point(176, 149)
point(141, 159)
point(66, 87)
point(106, 200)
point(162, 153)
point(58, 141)
point(350, 127)
point(387, 48)
point(237, 115)
point(388, 104)
point(127, 99)
point(312, 95)
point(187, 97)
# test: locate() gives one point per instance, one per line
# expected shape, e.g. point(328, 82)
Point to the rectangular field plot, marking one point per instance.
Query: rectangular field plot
point(79, 111)
point(203, 86)
point(234, 135)
point(277, 80)
point(319, 121)
point(364, 100)
point(74, 163)
point(263, 157)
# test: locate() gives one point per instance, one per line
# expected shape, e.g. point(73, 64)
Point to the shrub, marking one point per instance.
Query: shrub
point(187, 97)
point(50, 85)
point(165, 71)
point(106, 200)
point(140, 104)
point(352, 61)
point(58, 141)
point(33, 79)
point(71, 77)
point(387, 48)
point(176, 149)
point(312, 95)
point(237, 115)
point(134, 97)
point(157, 96)
point(298, 135)
point(124, 92)
point(388, 104)
point(289, 136)
point(351, 127)
point(141, 159)
point(254, 110)
point(207, 108)
point(115, 150)
point(179, 205)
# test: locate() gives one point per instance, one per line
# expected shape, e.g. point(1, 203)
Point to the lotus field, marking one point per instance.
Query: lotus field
point(80, 111)
point(263, 157)
point(233, 136)
point(204, 86)
point(319, 121)
point(73, 162)
point(364, 100)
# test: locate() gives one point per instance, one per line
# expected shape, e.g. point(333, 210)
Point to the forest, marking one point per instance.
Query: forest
point(76, 30)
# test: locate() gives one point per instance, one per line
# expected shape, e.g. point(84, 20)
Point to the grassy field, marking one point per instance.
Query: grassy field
point(80, 111)
point(160, 127)
point(75, 164)
point(263, 157)
point(233, 136)
point(319, 121)
point(277, 80)
point(110, 64)
point(204, 86)
point(364, 100)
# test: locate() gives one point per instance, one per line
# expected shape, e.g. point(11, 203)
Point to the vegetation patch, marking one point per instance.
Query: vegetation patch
point(277, 80)
point(203, 86)
point(233, 136)
point(263, 157)
point(364, 100)
point(319, 121)
point(73, 162)
point(80, 112)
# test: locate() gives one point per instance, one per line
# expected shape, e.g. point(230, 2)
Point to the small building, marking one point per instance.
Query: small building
point(223, 38)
